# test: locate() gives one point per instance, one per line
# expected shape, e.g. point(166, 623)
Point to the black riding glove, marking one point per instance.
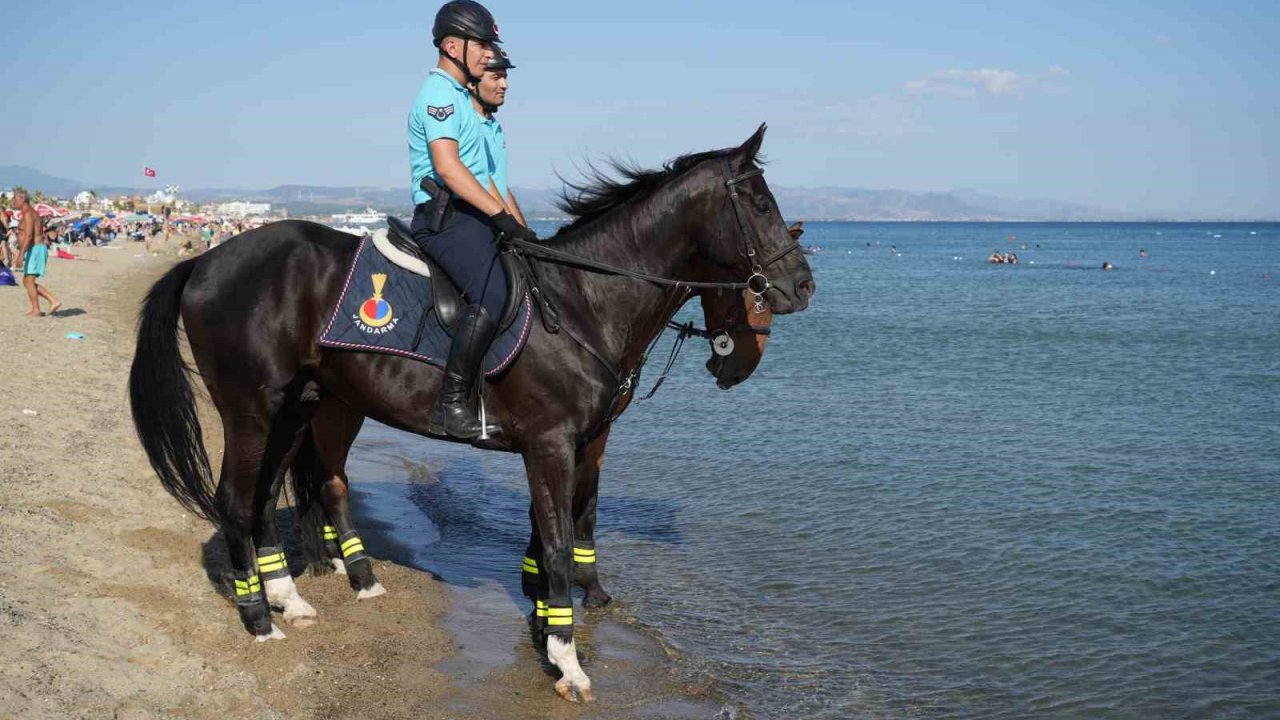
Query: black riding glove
point(506, 224)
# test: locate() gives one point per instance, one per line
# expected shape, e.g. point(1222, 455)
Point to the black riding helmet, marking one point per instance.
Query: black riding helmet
point(501, 61)
point(466, 19)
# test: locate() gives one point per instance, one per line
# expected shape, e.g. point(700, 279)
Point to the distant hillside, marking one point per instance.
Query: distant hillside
point(33, 180)
point(797, 203)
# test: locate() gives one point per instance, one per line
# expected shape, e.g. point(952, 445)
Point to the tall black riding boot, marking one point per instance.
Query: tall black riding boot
point(455, 414)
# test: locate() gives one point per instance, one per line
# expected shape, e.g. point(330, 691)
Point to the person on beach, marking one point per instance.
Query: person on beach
point(33, 249)
point(457, 222)
point(8, 239)
point(487, 96)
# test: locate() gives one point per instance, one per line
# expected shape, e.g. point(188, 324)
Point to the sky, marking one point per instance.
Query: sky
point(1169, 107)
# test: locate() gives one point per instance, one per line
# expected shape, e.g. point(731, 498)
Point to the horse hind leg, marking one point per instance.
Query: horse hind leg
point(243, 453)
point(289, 431)
point(335, 427)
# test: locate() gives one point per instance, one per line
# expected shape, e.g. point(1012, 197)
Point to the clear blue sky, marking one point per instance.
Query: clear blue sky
point(1167, 107)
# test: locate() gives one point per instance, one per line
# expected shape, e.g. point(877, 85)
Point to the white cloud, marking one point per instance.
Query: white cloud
point(995, 82)
point(955, 82)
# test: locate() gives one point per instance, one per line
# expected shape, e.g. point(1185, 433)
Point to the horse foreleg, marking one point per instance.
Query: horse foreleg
point(550, 474)
point(586, 492)
point(335, 427)
point(585, 495)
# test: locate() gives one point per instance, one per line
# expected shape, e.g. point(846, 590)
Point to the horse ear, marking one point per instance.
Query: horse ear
point(751, 148)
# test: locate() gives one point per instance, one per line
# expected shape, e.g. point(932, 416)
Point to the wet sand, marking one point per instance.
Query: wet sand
point(110, 600)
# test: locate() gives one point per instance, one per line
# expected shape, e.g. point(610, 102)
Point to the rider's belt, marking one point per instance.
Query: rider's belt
point(352, 548)
point(272, 564)
point(439, 209)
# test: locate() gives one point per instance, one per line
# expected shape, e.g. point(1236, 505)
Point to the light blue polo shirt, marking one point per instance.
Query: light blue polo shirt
point(442, 110)
point(497, 147)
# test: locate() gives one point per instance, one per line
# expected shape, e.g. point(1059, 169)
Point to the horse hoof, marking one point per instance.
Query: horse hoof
point(575, 693)
point(301, 618)
point(596, 598)
point(275, 634)
point(372, 592)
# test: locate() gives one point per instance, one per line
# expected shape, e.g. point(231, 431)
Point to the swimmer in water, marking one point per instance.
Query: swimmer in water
point(1106, 265)
point(1142, 252)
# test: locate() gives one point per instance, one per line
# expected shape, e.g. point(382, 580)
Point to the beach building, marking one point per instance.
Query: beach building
point(243, 209)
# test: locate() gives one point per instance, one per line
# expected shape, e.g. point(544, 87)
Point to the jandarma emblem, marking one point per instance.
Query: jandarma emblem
point(440, 113)
point(376, 316)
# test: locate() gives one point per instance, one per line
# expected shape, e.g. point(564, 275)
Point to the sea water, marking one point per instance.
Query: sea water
point(951, 489)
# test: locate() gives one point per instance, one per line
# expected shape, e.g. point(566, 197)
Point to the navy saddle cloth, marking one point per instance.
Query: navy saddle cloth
point(385, 308)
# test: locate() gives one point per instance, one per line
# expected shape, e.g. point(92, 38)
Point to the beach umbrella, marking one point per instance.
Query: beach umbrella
point(46, 210)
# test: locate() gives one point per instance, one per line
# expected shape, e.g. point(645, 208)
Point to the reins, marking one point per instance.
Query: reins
point(721, 344)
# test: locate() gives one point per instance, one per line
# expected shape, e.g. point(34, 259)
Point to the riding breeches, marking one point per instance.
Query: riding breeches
point(468, 251)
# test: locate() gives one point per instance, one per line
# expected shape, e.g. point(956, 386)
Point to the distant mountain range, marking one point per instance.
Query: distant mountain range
point(824, 203)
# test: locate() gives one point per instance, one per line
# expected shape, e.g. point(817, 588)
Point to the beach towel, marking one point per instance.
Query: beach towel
point(64, 255)
point(386, 309)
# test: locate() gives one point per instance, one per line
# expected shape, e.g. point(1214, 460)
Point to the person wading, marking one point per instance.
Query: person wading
point(456, 221)
point(488, 95)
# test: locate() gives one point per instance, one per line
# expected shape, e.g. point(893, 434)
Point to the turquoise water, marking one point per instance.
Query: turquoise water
point(954, 489)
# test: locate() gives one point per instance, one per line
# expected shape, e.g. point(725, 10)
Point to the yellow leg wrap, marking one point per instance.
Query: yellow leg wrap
point(248, 586)
point(330, 532)
point(530, 565)
point(351, 546)
point(583, 555)
point(271, 563)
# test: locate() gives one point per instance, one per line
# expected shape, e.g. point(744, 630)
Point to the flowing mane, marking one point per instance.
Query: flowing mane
point(595, 195)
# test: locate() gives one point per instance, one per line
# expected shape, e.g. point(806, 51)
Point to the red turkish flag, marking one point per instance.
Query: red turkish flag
point(148, 172)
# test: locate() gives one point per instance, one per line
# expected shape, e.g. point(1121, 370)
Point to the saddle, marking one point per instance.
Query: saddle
point(399, 248)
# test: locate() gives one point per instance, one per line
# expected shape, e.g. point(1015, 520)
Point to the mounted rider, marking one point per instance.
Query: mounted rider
point(487, 95)
point(456, 220)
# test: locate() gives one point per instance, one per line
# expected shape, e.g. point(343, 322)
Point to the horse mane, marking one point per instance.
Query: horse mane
point(597, 194)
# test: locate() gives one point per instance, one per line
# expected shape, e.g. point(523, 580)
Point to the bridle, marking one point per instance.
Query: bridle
point(757, 282)
point(721, 344)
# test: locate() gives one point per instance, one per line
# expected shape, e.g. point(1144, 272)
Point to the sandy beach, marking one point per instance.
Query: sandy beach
point(109, 592)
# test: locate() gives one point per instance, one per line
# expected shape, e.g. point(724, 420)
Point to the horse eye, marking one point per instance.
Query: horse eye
point(762, 205)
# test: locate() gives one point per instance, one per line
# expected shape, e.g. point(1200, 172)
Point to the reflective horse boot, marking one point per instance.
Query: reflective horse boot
point(455, 414)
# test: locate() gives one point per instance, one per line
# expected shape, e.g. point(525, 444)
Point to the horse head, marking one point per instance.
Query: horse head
point(740, 328)
point(747, 238)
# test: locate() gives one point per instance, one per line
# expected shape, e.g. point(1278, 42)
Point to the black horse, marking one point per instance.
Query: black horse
point(254, 308)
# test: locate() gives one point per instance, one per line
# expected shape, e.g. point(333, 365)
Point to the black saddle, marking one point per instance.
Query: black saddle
point(445, 295)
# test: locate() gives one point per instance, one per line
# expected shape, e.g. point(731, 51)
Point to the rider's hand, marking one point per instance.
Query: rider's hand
point(506, 224)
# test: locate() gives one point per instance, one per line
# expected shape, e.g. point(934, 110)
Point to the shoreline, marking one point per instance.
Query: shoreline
point(106, 594)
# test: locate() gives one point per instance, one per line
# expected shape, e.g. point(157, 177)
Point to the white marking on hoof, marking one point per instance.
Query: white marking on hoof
point(283, 595)
point(573, 683)
point(372, 592)
point(276, 634)
point(339, 566)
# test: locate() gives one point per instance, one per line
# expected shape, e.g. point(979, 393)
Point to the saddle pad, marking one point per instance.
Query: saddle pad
point(384, 308)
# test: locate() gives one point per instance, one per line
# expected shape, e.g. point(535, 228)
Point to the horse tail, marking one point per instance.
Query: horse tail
point(307, 477)
point(164, 409)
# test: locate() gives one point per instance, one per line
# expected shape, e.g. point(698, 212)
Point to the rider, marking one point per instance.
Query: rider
point(447, 146)
point(488, 95)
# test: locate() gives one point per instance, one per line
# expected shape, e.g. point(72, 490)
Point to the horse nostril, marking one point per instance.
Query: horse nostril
point(807, 288)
